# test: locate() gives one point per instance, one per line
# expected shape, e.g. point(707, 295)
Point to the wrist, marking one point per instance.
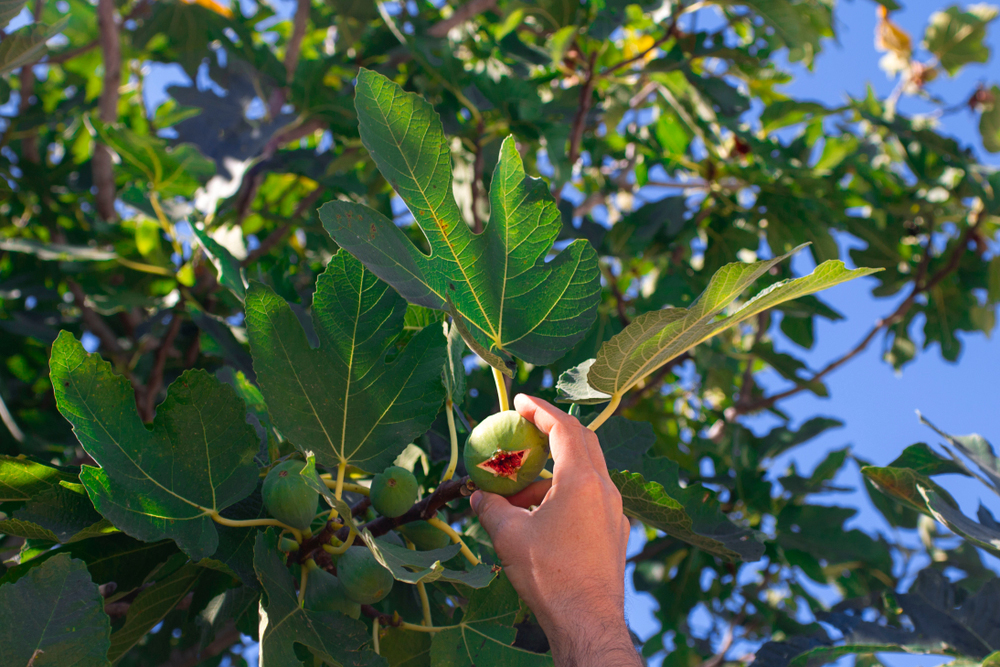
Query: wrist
point(592, 641)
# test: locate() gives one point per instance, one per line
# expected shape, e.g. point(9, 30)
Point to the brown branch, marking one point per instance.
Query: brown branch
point(93, 322)
point(421, 511)
point(155, 382)
point(295, 41)
point(279, 234)
point(884, 323)
point(194, 655)
point(579, 121)
point(101, 163)
point(460, 15)
point(29, 142)
point(69, 54)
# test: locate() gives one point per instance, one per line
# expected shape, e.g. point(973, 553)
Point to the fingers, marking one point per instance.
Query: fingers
point(573, 447)
point(533, 494)
point(495, 512)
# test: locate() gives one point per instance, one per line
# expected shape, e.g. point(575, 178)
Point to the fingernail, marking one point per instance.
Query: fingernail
point(475, 500)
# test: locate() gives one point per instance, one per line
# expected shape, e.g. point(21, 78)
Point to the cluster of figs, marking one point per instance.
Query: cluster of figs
point(503, 454)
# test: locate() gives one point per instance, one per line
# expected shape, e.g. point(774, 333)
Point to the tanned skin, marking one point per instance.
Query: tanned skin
point(566, 557)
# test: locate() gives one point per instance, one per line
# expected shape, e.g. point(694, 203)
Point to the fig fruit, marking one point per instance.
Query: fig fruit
point(424, 536)
point(505, 453)
point(394, 490)
point(363, 578)
point(288, 497)
point(324, 593)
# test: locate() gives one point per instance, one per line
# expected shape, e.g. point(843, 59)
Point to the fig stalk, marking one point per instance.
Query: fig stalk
point(501, 390)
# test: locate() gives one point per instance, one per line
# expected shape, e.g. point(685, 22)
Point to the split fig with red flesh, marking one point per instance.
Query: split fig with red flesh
point(505, 453)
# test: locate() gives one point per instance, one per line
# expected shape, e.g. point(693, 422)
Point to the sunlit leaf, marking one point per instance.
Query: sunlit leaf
point(341, 400)
point(654, 338)
point(509, 296)
point(230, 271)
point(413, 566)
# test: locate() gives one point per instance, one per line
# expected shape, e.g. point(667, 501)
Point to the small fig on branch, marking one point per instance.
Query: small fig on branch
point(424, 536)
point(505, 453)
point(394, 490)
point(287, 495)
point(324, 593)
point(363, 578)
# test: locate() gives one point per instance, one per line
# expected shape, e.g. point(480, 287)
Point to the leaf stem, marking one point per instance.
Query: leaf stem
point(501, 389)
point(545, 474)
point(309, 564)
point(423, 628)
point(248, 523)
point(346, 486)
point(375, 629)
point(425, 603)
point(606, 413)
point(336, 551)
point(449, 409)
point(455, 537)
point(338, 490)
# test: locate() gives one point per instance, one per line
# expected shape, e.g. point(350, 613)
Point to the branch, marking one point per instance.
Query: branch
point(69, 54)
point(884, 323)
point(460, 15)
point(279, 234)
point(155, 382)
point(421, 511)
point(295, 41)
point(579, 121)
point(93, 322)
point(29, 142)
point(101, 163)
point(671, 32)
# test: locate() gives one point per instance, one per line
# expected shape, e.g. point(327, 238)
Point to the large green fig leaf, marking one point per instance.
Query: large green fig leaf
point(167, 481)
point(54, 617)
point(26, 45)
point(654, 338)
point(484, 636)
point(283, 623)
point(412, 566)
point(510, 298)
point(342, 400)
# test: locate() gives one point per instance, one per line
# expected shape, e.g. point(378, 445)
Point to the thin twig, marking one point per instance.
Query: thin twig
point(579, 121)
point(279, 234)
point(884, 323)
point(155, 382)
point(101, 163)
point(295, 41)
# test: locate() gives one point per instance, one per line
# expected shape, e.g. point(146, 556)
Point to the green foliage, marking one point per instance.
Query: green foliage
point(288, 494)
point(393, 491)
point(352, 212)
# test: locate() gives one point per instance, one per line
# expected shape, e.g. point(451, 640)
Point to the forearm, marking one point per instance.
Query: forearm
point(607, 645)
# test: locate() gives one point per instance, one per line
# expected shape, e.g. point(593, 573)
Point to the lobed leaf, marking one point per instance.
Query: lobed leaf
point(956, 36)
point(512, 299)
point(22, 477)
point(54, 617)
point(484, 636)
point(166, 481)
point(342, 400)
point(230, 272)
point(26, 45)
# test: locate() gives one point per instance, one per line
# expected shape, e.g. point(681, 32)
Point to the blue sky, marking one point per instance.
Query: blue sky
point(877, 405)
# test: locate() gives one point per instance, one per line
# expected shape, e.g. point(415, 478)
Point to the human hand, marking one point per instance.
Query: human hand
point(566, 557)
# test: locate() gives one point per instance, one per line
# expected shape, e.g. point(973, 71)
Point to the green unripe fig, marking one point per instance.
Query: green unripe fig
point(287, 496)
point(363, 578)
point(324, 593)
point(288, 545)
point(505, 453)
point(394, 490)
point(424, 536)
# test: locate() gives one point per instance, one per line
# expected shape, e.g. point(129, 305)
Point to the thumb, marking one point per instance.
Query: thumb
point(494, 512)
